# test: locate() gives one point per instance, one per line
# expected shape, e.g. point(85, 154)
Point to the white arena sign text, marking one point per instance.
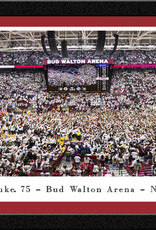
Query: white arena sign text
point(78, 61)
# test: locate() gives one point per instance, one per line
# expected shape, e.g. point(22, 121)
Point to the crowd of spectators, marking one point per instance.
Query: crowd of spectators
point(22, 57)
point(120, 56)
point(53, 134)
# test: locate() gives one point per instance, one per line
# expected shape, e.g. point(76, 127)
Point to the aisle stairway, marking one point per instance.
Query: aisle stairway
point(64, 162)
point(123, 172)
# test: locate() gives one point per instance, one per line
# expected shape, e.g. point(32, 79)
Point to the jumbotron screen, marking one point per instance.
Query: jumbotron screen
point(78, 78)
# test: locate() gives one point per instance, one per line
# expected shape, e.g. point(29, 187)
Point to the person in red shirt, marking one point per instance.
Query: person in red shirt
point(94, 158)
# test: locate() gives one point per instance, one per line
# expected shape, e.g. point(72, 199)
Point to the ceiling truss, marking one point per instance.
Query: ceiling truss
point(27, 41)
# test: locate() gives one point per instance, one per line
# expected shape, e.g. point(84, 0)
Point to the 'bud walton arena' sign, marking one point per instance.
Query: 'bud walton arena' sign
point(78, 61)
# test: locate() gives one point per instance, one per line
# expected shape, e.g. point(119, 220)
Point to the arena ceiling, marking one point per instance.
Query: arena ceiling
point(86, 40)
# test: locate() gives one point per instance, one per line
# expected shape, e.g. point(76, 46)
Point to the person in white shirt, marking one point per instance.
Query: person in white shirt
point(77, 161)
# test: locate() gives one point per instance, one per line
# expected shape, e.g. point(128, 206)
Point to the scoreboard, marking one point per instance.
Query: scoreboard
point(102, 78)
point(78, 78)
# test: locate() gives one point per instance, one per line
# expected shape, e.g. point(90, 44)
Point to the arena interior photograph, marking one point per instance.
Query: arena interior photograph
point(77, 103)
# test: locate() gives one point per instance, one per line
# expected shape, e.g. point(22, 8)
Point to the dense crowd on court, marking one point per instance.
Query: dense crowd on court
point(53, 134)
point(120, 56)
